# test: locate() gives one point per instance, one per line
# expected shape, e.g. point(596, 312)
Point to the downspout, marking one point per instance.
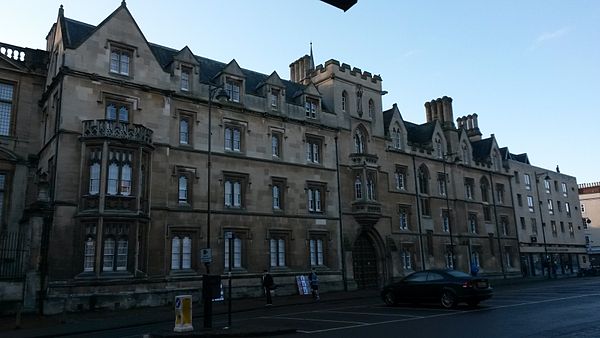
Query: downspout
point(512, 203)
point(341, 227)
point(418, 213)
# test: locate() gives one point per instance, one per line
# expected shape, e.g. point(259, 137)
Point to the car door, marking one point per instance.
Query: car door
point(412, 286)
point(434, 286)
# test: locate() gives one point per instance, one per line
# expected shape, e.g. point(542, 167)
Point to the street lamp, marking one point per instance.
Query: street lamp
point(221, 95)
point(452, 257)
point(540, 204)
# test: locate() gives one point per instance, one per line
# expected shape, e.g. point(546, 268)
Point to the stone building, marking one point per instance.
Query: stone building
point(589, 199)
point(548, 218)
point(145, 156)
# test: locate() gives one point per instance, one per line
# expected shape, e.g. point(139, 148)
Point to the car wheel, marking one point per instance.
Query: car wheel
point(473, 303)
point(389, 298)
point(448, 299)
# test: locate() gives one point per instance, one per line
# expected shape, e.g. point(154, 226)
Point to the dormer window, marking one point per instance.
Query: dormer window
point(233, 89)
point(186, 75)
point(120, 59)
point(310, 106)
point(274, 98)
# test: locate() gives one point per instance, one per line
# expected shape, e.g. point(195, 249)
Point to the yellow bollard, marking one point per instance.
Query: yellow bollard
point(183, 313)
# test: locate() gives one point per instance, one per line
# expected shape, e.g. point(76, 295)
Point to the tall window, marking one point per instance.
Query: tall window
point(120, 61)
point(277, 251)
point(313, 150)
point(233, 89)
point(276, 145)
point(236, 252)
point(445, 221)
point(571, 230)
point(441, 179)
point(400, 178)
point(475, 259)
point(449, 259)
point(6, 111)
point(344, 100)
point(473, 223)
point(184, 130)
point(359, 142)
point(181, 252)
point(316, 251)
point(563, 186)
point(358, 188)
point(500, 193)
point(233, 193)
point(371, 108)
point(405, 256)
point(186, 75)
point(277, 189)
point(530, 203)
point(527, 180)
point(568, 209)
point(183, 189)
point(562, 226)
point(508, 257)
point(370, 188)
point(504, 225)
point(423, 176)
point(484, 190)
point(117, 110)
point(553, 226)
point(438, 146)
point(469, 188)
point(89, 259)
point(523, 224)
point(534, 226)
point(465, 153)
point(94, 163)
point(310, 106)
point(274, 98)
point(547, 186)
point(233, 138)
point(314, 194)
point(403, 217)
point(119, 172)
point(550, 207)
point(115, 254)
point(396, 137)
point(519, 200)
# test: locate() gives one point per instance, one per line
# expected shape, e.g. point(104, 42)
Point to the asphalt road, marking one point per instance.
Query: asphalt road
point(562, 308)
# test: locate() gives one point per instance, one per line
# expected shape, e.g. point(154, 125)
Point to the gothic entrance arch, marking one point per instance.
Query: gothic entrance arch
point(364, 261)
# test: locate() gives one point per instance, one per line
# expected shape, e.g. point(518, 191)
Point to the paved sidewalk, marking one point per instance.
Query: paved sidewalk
point(85, 322)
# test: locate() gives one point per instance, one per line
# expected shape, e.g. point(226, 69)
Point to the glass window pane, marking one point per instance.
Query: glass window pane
point(175, 253)
point(109, 253)
point(186, 253)
point(122, 255)
point(126, 180)
point(273, 251)
point(281, 252)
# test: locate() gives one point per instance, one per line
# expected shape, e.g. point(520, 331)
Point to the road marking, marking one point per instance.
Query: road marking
point(447, 314)
point(317, 320)
point(374, 314)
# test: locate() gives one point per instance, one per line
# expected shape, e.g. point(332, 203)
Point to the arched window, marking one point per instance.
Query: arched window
point(108, 261)
point(344, 100)
point(113, 179)
point(406, 259)
point(126, 180)
point(396, 137)
point(465, 153)
point(423, 180)
point(495, 161)
point(122, 247)
point(94, 179)
point(89, 254)
point(359, 142)
point(357, 188)
point(371, 108)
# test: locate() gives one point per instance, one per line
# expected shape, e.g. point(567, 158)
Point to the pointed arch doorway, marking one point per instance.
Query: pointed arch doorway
point(364, 261)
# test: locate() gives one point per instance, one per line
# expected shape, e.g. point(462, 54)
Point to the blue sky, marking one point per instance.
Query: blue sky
point(529, 69)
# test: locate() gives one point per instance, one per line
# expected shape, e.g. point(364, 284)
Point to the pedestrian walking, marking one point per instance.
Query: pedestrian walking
point(314, 284)
point(268, 286)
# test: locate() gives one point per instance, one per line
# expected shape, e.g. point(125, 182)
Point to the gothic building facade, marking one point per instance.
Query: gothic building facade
point(143, 156)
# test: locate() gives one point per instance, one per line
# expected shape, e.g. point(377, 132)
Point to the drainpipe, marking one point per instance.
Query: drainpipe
point(418, 213)
point(497, 227)
point(341, 227)
point(512, 203)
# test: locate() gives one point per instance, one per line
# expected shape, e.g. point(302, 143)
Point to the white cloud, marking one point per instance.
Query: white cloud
point(548, 36)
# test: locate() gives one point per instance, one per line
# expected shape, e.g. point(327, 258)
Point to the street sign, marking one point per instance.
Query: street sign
point(206, 255)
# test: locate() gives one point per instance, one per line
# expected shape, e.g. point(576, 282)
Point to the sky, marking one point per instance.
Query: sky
point(529, 69)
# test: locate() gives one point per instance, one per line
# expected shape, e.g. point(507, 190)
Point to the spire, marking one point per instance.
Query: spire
point(312, 59)
point(61, 11)
point(123, 4)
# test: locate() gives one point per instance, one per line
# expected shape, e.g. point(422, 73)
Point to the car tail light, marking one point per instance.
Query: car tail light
point(468, 284)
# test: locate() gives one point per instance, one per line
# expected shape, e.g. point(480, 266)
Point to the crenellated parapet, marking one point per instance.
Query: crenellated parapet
point(336, 67)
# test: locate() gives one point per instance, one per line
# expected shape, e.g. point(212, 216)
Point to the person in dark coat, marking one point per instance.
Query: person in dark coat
point(268, 285)
point(314, 284)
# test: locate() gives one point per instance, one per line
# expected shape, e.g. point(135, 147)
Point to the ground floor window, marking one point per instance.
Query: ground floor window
point(181, 252)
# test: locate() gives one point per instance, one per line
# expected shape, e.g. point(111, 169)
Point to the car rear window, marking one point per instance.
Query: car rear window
point(458, 274)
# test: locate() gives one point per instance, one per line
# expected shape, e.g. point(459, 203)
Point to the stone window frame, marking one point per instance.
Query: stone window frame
point(312, 187)
point(182, 232)
point(12, 113)
point(277, 237)
point(281, 183)
point(189, 70)
point(244, 235)
point(121, 49)
point(314, 149)
point(243, 180)
point(313, 237)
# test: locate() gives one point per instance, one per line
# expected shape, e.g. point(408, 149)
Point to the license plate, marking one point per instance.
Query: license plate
point(482, 285)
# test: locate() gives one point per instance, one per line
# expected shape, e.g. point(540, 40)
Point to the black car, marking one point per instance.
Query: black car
point(449, 287)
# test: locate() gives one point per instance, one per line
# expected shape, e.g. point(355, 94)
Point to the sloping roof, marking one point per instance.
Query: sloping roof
point(482, 149)
point(419, 133)
point(387, 118)
point(77, 32)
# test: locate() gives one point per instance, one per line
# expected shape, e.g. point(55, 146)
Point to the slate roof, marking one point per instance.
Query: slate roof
point(387, 119)
point(507, 155)
point(482, 149)
point(419, 133)
point(77, 32)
